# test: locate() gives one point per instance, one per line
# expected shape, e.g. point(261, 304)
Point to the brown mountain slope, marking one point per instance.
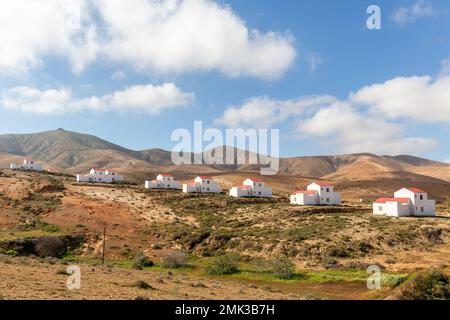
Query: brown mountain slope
point(75, 152)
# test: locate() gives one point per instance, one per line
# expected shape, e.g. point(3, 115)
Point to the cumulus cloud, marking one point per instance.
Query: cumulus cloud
point(149, 99)
point(419, 9)
point(417, 98)
point(33, 29)
point(373, 119)
point(173, 36)
point(349, 131)
point(264, 112)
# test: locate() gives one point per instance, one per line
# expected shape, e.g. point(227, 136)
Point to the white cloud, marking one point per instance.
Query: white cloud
point(419, 9)
point(118, 75)
point(445, 68)
point(33, 29)
point(263, 112)
point(370, 120)
point(141, 98)
point(417, 98)
point(349, 131)
point(173, 36)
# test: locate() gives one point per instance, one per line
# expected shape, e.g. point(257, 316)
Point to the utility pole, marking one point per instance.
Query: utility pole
point(104, 245)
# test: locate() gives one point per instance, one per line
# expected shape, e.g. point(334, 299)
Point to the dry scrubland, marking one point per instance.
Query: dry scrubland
point(44, 215)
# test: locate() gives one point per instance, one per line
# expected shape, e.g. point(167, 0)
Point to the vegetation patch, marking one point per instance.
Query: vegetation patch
point(223, 265)
point(433, 285)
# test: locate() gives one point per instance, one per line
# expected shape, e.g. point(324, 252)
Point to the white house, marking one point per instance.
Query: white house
point(100, 175)
point(406, 202)
point(252, 188)
point(163, 181)
point(317, 193)
point(202, 184)
point(27, 165)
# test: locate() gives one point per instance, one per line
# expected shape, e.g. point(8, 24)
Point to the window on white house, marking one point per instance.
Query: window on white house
point(421, 197)
point(328, 189)
point(328, 199)
point(380, 208)
point(421, 209)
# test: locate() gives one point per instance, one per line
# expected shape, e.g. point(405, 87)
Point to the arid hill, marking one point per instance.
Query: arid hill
point(74, 152)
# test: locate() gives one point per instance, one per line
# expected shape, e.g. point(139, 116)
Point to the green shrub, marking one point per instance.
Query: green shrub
point(223, 265)
point(142, 261)
point(175, 260)
point(281, 268)
point(12, 253)
point(434, 285)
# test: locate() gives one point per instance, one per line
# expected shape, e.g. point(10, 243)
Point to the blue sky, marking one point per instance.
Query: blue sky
point(297, 74)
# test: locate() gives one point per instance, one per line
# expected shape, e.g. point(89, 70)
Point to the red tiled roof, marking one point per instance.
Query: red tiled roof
point(416, 190)
point(245, 187)
point(323, 184)
point(384, 200)
point(205, 177)
point(308, 192)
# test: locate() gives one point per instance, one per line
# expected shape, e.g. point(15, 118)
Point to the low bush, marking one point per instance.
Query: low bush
point(175, 260)
point(281, 267)
point(50, 247)
point(434, 285)
point(12, 253)
point(142, 261)
point(223, 265)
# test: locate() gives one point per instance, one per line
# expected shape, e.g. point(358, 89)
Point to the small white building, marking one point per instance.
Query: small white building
point(163, 181)
point(252, 188)
point(202, 184)
point(406, 202)
point(27, 165)
point(317, 193)
point(100, 175)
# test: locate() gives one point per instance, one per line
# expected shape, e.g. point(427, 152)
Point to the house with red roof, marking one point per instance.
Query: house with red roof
point(97, 175)
point(406, 202)
point(252, 188)
point(202, 184)
point(316, 194)
point(163, 181)
point(27, 164)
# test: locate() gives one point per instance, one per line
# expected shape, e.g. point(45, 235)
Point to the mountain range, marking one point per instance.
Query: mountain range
point(73, 152)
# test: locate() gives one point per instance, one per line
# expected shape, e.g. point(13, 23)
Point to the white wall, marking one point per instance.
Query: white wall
point(304, 199)
point(26, 165)
point(188, 188)
point(420, 204)
point(239, 192)
point(392, 209)
point(163, 182)
point(100, 177)
point(203, 186)
point(325, 196)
